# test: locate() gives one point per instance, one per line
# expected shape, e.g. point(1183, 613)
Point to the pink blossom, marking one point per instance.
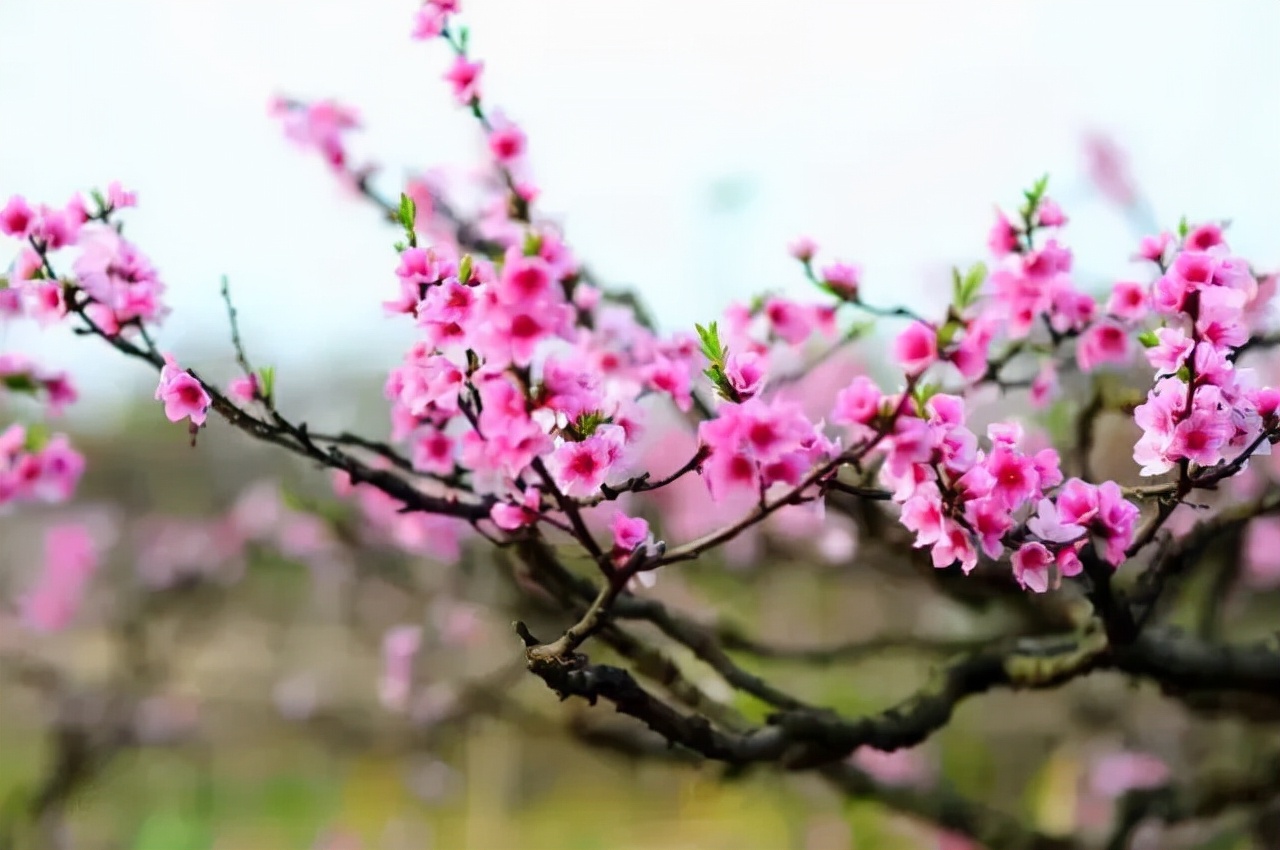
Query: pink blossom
point(1049, 214)
point(990, 520)
point(746, 373)
point(464, 77)
point(1049, 525)
point(428, 22)
point(1003, 238)
point(672, 377)
point(1128, 301)
point(70, 560)
point(60, 468)
point(507, 143)
point(1104, 342)
point(1204, 237)
point(433, 451)
point(857, 404)
point(119, 198)
point(1031, 566)
point(1044, 384)
point(955, 546)
point(629, 533)
point(803, 249)
point(580, 468)
point(243, 388)
point(17, 218)
point(788, 320)
point(843, 279)
point(916, 348)
point(183, 396)
point(1014, 474)
point(1171, 350)
point(1153, 247)
point(510, 517)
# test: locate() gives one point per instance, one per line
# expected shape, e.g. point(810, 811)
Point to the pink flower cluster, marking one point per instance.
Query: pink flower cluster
point(756, 444)
point(35, 467)
point(1202, 409)
point(124, 286)
point(19, 374)
point(70, 560)
point(507, 374)
point(430, 535)
point(961, 500)
point(321, 126)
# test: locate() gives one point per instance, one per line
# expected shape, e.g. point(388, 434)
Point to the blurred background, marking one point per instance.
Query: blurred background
point(682, 145)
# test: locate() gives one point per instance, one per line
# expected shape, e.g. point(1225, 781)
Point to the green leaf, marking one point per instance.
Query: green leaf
point(532, 244)
point(408, 212)
point(464, 268)
point(21, 382)
point(1148, 339)
point(922, 394)
point(37, 437)
point(971, 284)
point(947, 332)
point(711, 346)
point(1183, 228)
point(267, 381)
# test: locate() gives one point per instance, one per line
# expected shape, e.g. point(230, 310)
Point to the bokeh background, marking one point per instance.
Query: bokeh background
point(682, 145)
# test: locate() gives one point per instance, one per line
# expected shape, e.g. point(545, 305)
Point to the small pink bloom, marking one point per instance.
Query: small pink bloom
point(1048, 525)
point(843, 278)
point(1153, 247)
point(1128, 300)
point(1204, 237)
point(464, 77)
point(955, 546)
point(510, 517)
point(1049, 214)
point(243, 389)
point(629, 533)
point(507, 143)
point(1104, 342)
point(1172, 350)
point(428, 22)
point(1003, 239)
point(746, 373)
point(1044, 384)
point(803, 249)
point(788, 320)
point(17, 218)
point(916, 348)
point(182, 394)
point(119, 198)
point(1031, 565)
point(1014, 474)
point(580, 468)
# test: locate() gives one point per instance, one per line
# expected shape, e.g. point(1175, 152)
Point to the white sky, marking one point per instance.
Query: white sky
point(886, 129)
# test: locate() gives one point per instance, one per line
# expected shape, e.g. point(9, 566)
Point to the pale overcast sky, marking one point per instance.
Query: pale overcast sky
point(885, 129)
